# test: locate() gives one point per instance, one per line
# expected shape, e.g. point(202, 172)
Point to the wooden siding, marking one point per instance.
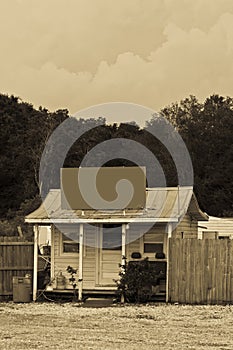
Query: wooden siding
point(200, 271)
point(157, 233)
point(187, 228)
point(89, 260)
point(93, 274)
point(62, 260)
point(223, 226)
point(133, 240)
point(16, 259)
point(93, 271)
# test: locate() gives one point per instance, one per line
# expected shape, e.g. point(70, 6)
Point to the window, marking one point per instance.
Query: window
point(153, 243)
point(153, 248)
point(223, 237)
point(70, 243)
point(112, 237)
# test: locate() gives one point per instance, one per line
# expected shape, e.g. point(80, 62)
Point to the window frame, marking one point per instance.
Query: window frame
point(151, 256)
point(71, 254)
point(68, 241)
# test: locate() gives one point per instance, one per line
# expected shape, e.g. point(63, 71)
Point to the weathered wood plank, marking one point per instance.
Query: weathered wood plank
point(16, 268)
point(16, 243)
point(16, 259)
point(201, 271)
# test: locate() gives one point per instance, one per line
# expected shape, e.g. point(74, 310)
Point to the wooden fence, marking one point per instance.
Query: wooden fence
point(200, 271)
point(16, 259)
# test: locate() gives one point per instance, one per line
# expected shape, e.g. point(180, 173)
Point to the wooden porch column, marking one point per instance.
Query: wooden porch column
point(35, 265)
point(80, 273)
point(169, 230)
point(123, 253)
point(169, 235)
point(123, 248)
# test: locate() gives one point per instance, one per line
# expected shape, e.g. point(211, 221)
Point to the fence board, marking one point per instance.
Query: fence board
point(16, 259)
point(230, 274)
point(200, 271)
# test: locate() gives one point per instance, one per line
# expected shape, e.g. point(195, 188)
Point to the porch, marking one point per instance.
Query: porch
point(97, 251)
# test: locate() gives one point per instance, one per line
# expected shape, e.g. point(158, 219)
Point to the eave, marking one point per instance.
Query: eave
point(95, 221)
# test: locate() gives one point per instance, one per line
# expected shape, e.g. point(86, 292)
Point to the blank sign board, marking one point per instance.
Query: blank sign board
point(105, 188)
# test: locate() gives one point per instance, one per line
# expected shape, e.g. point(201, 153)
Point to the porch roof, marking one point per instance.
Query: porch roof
point(162, 204)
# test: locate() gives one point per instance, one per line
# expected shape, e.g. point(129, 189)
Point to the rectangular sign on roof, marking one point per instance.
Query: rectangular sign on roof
point(105, 188)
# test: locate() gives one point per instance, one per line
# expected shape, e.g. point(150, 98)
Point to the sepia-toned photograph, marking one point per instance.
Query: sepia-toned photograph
point(116, 174)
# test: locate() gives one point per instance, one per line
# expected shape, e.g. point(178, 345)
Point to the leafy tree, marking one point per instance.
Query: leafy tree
point(207, 131)
point(23, 134)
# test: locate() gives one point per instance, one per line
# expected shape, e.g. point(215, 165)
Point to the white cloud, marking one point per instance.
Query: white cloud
point(72, 54)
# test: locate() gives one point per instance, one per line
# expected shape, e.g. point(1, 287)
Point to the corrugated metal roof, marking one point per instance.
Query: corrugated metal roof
point(168, 203)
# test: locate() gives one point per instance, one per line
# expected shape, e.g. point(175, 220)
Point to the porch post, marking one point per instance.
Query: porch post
point(123, 253)
point(35, 264)
point(169, 235)
point(80, 274)
point(169, 230)
point(123, 248)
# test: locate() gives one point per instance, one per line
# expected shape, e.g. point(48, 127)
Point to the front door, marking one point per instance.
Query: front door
point(110, 238)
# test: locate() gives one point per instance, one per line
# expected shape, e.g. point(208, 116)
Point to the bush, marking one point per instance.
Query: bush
point(136, 281)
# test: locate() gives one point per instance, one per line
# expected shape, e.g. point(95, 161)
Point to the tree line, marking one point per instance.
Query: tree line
point(206, 129)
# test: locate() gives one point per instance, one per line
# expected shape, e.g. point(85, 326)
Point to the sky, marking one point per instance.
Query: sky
point(78, 53)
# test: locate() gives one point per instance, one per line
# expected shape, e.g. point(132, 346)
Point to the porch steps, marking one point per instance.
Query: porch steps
point(98, 302)
point(159, 297)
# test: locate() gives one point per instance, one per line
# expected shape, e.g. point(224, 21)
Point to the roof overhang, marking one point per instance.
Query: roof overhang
point(95, 221)
point(162, 205)
point(195, 211)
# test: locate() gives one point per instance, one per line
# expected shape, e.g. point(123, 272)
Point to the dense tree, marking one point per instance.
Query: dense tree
point(23, 134)
point(207, 129)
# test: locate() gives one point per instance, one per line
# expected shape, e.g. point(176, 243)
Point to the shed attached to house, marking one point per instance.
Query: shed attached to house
point(217, 228)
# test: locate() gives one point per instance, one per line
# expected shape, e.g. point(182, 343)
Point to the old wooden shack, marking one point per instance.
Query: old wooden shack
point(95, 242)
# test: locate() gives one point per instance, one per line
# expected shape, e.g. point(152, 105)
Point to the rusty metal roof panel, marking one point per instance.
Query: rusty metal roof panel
point(168, 202)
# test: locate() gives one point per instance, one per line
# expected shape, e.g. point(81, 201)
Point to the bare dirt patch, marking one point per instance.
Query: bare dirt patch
point(68, 326)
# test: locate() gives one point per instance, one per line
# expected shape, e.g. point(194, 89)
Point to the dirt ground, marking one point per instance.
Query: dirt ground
point(69, 326)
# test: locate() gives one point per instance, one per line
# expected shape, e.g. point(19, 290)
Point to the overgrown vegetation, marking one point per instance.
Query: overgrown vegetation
point(136, 281)
point(206, 129)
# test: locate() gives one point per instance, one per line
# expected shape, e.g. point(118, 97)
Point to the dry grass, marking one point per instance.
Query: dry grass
point(67, 326)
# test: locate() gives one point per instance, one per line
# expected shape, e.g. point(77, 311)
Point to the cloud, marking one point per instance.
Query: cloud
point(73, 54)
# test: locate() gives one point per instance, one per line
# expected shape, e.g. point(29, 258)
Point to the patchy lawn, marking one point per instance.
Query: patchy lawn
point(68, 326)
